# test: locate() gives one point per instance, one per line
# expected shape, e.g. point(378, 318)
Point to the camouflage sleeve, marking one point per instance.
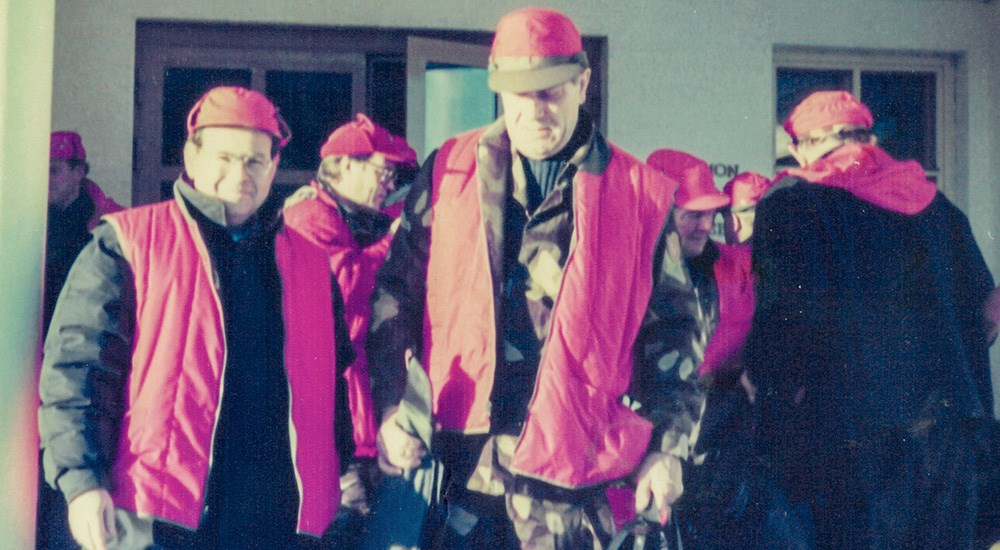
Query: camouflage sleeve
point(668, 350)
point(399, 296)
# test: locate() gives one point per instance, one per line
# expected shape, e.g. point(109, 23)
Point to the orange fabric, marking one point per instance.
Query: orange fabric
point(103, 204)
point(459, 321)
point(824, 110)
point(869, 173)
point(577, 431)
point(320, 221)
point(173, 390)
point(734, 281)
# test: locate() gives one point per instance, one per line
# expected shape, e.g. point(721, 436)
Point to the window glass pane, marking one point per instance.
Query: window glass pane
point(313, 104)
point(387, 104)
point(903, 105)
point(456, 99)
point(387, 92)
point(794, 85)
point(182, 87)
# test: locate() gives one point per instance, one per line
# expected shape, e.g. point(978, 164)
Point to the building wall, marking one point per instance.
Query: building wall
point(688, 74)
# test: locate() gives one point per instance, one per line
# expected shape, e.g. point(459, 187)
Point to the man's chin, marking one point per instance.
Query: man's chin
point(540, 152)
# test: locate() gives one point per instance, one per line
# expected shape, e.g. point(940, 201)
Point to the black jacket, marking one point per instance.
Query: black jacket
point(866, 318)
point(88, 356)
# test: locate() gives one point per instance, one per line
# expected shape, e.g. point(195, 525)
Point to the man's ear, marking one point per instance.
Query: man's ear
point(189, 152)
point(584, 82)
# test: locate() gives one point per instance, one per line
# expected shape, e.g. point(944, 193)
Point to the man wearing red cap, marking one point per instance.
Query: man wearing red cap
point(715, 510)
point(527, 268)
point(342, 210)
point(868, 346)
point(189, 384)
point(75, 205)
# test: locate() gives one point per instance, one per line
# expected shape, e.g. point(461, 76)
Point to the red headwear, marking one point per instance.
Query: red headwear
point(232, 106)
point(697, 189)
point(67, 145)
point(746, 189)
point(535, 49)
point(361, 136)
point(824, 110)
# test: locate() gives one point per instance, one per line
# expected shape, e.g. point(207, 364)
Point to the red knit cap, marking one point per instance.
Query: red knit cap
point(824, 110)
point(66, 145)
point(235, 107)
point(361, 137)
point(535, 49)
point(697, 189)
point(746, 189)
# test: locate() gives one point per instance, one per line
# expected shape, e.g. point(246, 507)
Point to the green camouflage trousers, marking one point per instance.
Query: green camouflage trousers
point(563, 519)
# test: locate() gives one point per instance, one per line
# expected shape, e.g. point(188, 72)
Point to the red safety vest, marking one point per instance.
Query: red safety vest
point(319, 220)
point(734, 281)
point(174, 388)
point(577, 431)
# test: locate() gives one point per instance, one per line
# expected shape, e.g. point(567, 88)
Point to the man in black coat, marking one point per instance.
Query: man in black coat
point(868, 346)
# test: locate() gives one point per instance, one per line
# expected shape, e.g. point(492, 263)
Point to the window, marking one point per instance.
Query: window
point(317, 76)
point(911, 97)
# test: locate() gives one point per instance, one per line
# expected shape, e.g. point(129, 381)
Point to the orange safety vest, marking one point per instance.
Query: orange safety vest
point(175, 385)
point(577, 431)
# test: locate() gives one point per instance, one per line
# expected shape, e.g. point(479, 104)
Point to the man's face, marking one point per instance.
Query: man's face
point(233, 165)
point(366, 182)
point(64, 182)
point(541, 123)
point(693, 228)
point(738, 224)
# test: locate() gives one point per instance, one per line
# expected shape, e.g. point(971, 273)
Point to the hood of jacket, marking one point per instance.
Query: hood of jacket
point(870, 174)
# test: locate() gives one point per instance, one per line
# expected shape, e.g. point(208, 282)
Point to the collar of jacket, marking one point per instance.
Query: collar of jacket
point(264, 221)
point(592, 157)
point(494, 165)
point(872, 175)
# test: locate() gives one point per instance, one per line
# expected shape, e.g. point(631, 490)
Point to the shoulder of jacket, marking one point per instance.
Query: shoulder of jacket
point(304, 193)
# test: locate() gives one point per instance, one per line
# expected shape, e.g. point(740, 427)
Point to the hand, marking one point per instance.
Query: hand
point(397, 449)
point(658, 482)
point(352, 491)
point(92, 519)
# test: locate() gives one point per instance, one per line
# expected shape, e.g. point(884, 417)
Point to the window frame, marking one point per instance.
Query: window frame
point(943, 66)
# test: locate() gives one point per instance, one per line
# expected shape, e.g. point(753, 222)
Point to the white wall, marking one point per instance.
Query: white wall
point(689, 74)
point(26, 30)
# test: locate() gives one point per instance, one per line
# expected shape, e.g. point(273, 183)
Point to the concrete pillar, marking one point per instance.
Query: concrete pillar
point(26, 46)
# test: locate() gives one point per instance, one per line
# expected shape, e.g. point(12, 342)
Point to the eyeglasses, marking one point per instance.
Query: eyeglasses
point(254, 165)
point(382, 172)
point(853, 134)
